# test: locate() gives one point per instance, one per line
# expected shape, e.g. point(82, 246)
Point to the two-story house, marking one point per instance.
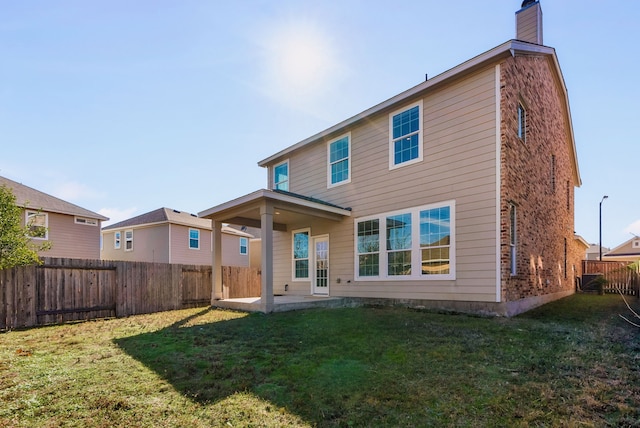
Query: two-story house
point(73, 231)
point(456, 194)
point(166, 235)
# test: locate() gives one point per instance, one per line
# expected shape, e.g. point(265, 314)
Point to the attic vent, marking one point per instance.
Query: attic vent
point(636, 243)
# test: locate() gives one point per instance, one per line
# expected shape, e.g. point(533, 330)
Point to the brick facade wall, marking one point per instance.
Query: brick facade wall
point(537, 178)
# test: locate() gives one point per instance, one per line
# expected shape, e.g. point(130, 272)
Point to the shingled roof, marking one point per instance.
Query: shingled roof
point(163, 215)
point(28, 197)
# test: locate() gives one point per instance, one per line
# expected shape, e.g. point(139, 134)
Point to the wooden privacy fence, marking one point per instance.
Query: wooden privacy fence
point(62, 290)
point(621, 277)
point(240, 282)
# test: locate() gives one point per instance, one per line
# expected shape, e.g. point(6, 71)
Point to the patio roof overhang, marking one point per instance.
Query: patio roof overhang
point(287, 207)
point(269, 210)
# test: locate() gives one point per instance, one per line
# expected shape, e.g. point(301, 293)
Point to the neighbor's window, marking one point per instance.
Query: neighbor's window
point(128, 240)
point(522, 123)
point(194, 239)
point(86, 221)
point(339, 171)
point(117, 237)
point(244, 246)
point(513, 240)
point(418, 244)
point(37, 223)
point(281, 176)
point(406, 136)
point(301, 254)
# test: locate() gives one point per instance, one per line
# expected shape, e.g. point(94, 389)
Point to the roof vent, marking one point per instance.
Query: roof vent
point(176, 211)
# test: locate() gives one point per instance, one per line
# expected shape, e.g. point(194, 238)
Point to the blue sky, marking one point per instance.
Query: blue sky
point(123, 107)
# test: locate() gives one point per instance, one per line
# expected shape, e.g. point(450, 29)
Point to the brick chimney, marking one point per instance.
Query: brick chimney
point(529, 22)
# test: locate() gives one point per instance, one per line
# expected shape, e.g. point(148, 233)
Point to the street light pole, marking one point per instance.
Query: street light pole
point(600, 245)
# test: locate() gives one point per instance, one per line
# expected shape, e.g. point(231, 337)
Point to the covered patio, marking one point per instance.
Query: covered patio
point(269, 210)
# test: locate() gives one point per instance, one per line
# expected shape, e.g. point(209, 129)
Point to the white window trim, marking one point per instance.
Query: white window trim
point(348, 179)
point(189, 242)
point(416, 254)
point(246, 252)
point(293, 260)
point(125, 240)
point(274, 184)
point(420, 157)
point(117, 240)
point(85, 221)
point(29, 213)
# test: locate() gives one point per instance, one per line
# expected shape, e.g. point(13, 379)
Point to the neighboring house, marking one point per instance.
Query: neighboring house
point(457, 193)
point(255, 245)
point(166, 235)
point(73, 231)
point(626, 252)
point(593, 252)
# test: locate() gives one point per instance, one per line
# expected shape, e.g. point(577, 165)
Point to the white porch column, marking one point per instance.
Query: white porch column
point(216, 264)
point(266, 224)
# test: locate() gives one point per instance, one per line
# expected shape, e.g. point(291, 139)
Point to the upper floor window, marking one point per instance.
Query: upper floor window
point(86, 221)
point(339, 171)
point(281, 176)
point(522, 122)
point(244, 246)
point(416, 243)
point(301, 254)
point(37, 223)
point(194, 239)
point(405, 130)
point(117, 237)
point(128, 240)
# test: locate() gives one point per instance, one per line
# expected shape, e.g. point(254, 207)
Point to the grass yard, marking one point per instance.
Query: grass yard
point(571, 363)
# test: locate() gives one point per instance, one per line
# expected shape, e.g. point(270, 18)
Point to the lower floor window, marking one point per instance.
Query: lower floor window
point(301, 254)
point(417, 243)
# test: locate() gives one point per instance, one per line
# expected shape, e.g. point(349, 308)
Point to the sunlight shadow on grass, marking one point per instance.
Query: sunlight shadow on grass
point(213, 355)
point(289, 362)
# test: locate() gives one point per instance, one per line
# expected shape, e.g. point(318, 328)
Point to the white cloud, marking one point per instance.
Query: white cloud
point(116, 214)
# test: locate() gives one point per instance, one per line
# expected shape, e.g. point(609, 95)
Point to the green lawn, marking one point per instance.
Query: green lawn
point(571, 363)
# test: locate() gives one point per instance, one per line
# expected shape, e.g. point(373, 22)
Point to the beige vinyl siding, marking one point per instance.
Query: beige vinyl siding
point(255, 253)
point(231, 251)
point(180, 251)
point(282, 266)
point(71, 240)
point(529, 25)
point(149, 245)
point(459, 164)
